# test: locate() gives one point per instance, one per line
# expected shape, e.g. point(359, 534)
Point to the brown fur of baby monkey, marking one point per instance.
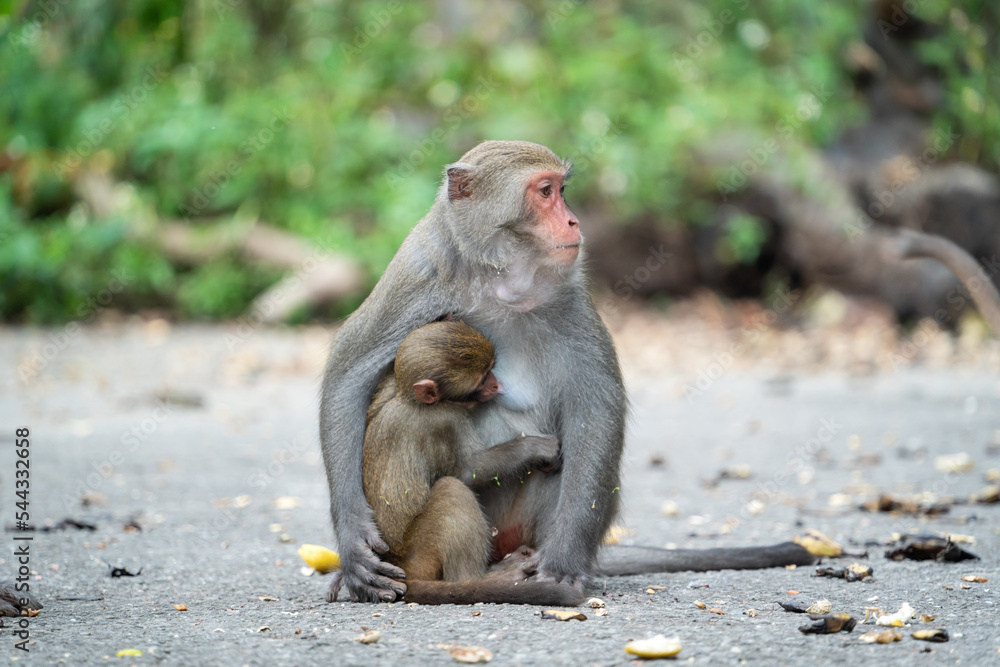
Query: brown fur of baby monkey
point(423, 463)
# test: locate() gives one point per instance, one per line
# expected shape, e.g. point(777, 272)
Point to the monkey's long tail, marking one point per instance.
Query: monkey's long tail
point(484, 590)
point(619, 560)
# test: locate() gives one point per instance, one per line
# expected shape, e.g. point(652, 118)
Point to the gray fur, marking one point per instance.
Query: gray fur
point(621, 560)
point(477, 259)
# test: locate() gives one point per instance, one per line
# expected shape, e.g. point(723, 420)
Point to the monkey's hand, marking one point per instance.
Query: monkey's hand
point(522, 454)
point(368, 578)
point(546, 456)
point(11, 602)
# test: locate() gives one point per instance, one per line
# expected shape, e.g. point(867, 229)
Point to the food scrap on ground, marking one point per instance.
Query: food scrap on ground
point(369, 637)
point(563, 615)
point(889, 503)
point(899, 619)
point(319, 558)
point(670, 508)
point(937, 635)
point(881, 637)
point(853, 572)
point(828, 624)
point(601, 609)
point(928, 547)
point(818, 608)
point(287, 503)
point(819, 544)
point(954, 463)
point(654, 647)
point(735, 472)
point(469, 655)
point(987, 495)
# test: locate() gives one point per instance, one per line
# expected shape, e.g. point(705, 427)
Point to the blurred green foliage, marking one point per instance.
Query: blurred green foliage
point(333, 120)
point(744, 237)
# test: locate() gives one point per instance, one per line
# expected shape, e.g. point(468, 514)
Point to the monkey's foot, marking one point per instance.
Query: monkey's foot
point(11, 602)
point(515, 566)
point(576, 581)
point(543, 574)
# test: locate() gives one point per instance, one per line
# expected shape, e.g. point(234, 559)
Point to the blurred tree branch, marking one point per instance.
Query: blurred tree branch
point(317, 276)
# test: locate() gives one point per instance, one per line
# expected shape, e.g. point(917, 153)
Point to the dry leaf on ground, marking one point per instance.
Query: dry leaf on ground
point(563, 615)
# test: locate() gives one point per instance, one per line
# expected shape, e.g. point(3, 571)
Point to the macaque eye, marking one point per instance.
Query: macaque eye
point(546, 191)
point(562, 190)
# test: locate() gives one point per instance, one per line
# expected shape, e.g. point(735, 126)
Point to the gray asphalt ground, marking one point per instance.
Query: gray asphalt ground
point(209, 474)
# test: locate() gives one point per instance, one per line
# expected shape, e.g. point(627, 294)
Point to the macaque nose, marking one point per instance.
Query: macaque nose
point(489, 389)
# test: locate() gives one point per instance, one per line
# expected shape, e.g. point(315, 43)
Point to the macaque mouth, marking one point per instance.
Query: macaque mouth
point(568, 245)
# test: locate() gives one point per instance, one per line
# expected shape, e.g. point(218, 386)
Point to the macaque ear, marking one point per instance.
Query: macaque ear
point(426, 391)
point(460, 181)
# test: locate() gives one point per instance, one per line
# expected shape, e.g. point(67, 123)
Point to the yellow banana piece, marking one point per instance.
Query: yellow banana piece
point(319, 558)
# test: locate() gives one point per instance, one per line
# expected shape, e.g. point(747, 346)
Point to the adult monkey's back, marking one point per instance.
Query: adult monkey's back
point(500, 250)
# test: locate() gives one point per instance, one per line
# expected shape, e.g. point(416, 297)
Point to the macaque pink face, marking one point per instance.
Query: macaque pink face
point(557, 226)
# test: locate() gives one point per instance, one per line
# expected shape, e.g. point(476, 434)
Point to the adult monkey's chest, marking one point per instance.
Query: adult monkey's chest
point(528, 375)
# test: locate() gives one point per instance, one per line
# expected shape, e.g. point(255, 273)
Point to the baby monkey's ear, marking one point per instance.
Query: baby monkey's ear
point(426, 391)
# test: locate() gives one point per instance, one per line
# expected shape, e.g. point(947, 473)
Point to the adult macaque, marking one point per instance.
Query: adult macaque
point(423, 465)
point(499, 249)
